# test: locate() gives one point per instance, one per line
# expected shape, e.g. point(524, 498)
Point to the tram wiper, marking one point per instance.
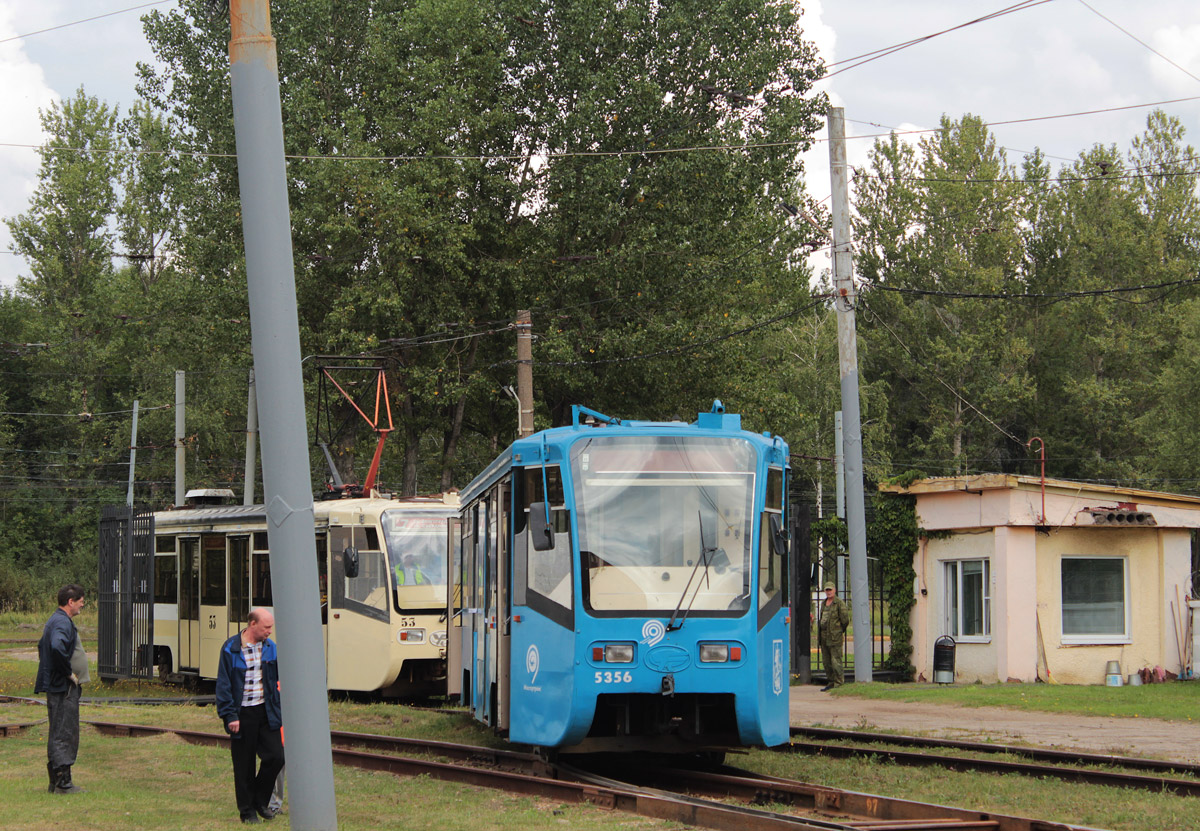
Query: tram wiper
point(703, 559)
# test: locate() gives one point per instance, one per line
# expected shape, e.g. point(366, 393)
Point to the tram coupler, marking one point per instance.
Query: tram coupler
point(668, 685)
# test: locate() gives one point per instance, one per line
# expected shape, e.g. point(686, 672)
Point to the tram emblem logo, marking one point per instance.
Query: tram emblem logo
point(653, 631)
point(777, 666)
point(533, 662)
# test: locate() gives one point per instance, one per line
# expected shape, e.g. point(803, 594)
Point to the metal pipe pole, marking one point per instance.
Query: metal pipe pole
point(287, 491)
point(180, 450)
point(251, 436)
point(524, 374)
point(132, 456)
point(844, 297)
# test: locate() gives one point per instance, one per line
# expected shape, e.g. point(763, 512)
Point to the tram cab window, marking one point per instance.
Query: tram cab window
point(547, 573)
point(415, 558)
point(772, 577)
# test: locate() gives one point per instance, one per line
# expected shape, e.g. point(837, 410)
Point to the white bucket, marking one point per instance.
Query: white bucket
point(1135, 679)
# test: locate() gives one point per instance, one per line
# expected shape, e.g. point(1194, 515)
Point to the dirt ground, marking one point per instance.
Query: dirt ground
point(1117, 736)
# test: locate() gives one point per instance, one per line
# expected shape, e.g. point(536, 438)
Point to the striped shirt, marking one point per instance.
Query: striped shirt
point(252, 690)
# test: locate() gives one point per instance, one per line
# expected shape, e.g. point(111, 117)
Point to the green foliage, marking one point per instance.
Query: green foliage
point(892, 537)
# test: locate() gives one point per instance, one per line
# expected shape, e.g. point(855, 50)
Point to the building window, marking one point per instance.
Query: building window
point(968, 600)
point(1093, 599)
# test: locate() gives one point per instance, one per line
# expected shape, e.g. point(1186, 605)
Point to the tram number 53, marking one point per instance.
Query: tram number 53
point(614, 677)
point(212, 621)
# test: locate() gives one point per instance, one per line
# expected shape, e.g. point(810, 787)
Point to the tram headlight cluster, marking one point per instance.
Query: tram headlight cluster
point(412, 636)
point(719, 653)
point(613, 653)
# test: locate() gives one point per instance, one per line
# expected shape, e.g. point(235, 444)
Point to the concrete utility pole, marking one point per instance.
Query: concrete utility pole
point(251, 439)
point(180, 450)
point(287, 490)
point(132, 455)
point(843, 281)
point(524, 374)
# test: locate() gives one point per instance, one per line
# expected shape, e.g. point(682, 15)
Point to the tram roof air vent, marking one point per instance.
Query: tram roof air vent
point(208, 496)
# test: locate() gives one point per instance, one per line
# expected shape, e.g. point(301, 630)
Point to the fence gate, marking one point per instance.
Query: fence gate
point(126, 593)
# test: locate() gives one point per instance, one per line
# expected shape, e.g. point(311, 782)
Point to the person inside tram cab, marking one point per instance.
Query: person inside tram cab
point(412, 571)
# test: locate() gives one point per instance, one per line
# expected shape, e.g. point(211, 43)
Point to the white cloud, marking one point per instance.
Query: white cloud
point(1182, 45)
point(25, 92)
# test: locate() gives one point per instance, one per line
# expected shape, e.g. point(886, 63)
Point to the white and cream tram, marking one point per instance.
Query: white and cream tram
point(382, 570)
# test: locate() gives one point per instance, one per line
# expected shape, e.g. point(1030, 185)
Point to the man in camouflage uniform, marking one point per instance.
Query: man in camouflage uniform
point(832, 625)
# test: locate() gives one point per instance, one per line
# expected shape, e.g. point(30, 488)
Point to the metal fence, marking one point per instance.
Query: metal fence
point(811, 570)
point(125, 593)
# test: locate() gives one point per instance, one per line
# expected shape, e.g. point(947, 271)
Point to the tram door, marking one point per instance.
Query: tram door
point(239, 584)
point(491, 614)
point(503, 603)
point(454, 604)
point(213, 612)
point(474, 623)
point(189, 604)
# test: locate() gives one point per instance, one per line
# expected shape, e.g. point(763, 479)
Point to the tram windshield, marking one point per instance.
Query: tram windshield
point(416, 548)
point(664, 523)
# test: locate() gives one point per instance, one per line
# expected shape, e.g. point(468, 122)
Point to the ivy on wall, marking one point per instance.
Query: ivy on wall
point(893, 538)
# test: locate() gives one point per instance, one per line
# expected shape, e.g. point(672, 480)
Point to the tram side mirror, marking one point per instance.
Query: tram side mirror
point(779, 539)
point(350, 562)
point(539, 530)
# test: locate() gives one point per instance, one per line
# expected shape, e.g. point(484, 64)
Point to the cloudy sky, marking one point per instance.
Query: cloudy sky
point(1048, 58)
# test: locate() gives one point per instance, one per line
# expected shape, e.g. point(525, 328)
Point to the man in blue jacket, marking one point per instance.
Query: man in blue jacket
point(62, 667)
point(248, 703)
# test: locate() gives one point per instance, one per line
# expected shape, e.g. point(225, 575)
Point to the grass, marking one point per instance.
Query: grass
point(1172, 701)
point(162, 782)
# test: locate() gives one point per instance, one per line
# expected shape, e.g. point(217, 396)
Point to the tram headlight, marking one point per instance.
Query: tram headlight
point(618, 653)
point(411, 636)
point(438, 638)
point(714, 653)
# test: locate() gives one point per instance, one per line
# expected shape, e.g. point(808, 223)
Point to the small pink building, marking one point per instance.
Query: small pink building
point(1051, 578)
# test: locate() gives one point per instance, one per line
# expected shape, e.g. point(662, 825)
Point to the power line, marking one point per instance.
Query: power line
point(875, 55)
point(1055, 296)
point(1130, 34)
point(86, 20)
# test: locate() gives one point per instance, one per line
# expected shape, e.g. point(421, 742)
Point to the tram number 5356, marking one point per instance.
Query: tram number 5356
point(614, 677)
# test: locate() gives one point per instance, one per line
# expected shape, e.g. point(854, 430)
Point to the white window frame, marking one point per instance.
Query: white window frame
point(953, 615)
point(1097, 638)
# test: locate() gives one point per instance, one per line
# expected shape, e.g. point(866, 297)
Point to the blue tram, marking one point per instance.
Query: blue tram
point(621, 585)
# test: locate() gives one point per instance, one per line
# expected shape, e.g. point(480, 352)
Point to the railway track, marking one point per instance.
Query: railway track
point(1035, 753)
point(1045, 769)
point(692, 797)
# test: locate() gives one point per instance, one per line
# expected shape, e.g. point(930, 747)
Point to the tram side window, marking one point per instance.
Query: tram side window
point(166, 577)
point(239, 579)
point(212, 577)
point(772, 577)
point(548, 573)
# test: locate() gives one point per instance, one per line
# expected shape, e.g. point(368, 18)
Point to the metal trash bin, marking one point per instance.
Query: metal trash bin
point(943, 660)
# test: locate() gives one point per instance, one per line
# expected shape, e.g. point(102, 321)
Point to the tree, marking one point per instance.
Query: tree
point(938, 232)
point(65, 233)
point(457, 161)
